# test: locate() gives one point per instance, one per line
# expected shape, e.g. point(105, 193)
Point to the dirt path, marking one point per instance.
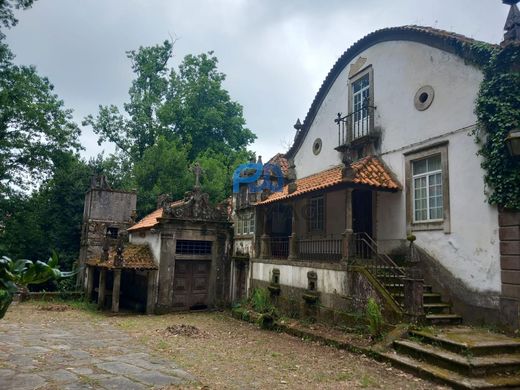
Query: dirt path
point(223, 353)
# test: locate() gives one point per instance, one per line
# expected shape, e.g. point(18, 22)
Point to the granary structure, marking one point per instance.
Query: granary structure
point(106, 213)
point(385, 153)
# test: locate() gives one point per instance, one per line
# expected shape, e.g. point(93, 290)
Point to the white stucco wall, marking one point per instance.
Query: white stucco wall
point(471, 250)
point(153, 241)
point(329, 281)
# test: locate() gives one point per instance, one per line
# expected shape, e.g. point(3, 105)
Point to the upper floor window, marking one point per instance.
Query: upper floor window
point(361, 102)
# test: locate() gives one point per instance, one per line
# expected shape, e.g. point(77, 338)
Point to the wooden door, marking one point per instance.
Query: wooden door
point(190, 284)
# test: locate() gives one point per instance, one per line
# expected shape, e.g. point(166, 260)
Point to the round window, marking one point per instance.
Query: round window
point(316, 146)
point(423, 98)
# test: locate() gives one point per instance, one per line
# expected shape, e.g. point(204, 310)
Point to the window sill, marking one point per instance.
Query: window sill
point(429, 226)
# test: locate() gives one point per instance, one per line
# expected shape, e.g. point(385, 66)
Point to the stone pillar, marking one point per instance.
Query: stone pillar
point(265, 250)
point(166, 271)
point(102, 288)
point(90, 283)
point(151, 295)
point(347, 235)
point(413, 298)
point(116, 289)
point(293, 240)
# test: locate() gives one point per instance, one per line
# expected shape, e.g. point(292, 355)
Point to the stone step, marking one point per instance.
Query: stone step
point(467, 365)
point(443, 319)
point(399, 287)
point(472, 344)
point(437, 308)
point(454, 379)
point(428, 297)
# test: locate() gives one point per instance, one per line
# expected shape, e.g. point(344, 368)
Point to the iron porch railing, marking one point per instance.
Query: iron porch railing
point(356, 125)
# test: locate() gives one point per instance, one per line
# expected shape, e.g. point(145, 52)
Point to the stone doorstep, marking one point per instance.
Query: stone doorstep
point(436, 373)
point(479, 347)
point(418, 368)
point(474, 366)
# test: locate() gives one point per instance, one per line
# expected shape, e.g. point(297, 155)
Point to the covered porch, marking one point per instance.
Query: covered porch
point(326, 217)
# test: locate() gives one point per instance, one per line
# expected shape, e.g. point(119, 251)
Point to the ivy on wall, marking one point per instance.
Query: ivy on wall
point(498, 112)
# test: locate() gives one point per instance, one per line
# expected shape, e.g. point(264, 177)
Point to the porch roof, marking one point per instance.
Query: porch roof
point(369, 171)
point(138, 257)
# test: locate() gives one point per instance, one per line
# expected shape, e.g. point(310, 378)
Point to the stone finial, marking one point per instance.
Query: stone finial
point(259, 160)
point(298, 125)
point(118, 259)
point(197, 170)
point(512, 26)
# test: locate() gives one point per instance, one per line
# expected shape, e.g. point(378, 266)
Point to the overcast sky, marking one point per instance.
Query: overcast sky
point(275, 53)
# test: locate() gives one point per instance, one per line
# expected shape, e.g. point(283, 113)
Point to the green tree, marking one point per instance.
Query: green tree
point(34, 125)
point(49, 218)
point(185, 111)
point(164, 169)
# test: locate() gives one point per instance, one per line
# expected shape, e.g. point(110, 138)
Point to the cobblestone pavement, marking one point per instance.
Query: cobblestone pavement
point(38, 353)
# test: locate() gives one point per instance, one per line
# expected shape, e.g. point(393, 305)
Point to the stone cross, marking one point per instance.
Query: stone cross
point(197, 170)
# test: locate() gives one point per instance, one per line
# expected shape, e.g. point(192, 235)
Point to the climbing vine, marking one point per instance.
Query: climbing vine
point(498, 112)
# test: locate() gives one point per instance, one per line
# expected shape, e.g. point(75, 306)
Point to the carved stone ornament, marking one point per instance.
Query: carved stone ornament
point(196, 206)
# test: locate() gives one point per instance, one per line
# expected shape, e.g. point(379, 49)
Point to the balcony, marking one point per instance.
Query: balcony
point(356, 128)
point(319, 249)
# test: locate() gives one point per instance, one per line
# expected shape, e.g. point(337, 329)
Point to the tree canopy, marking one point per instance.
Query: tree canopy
point(173, 118)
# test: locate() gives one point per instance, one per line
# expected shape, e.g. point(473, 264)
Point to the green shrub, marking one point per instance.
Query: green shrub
point(374, 318)
point(261, 300)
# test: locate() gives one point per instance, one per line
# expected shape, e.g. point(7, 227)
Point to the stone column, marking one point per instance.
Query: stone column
point(293, 240)
point(102, 288)
point(265, 251)
point(347, 235)
point(166, 270)
point(90, 283)
point(116, 289)
point(151, 295)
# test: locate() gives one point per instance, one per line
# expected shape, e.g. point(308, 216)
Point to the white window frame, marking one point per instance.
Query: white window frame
point(420, 154)
point(427, 175)
point(357, 126)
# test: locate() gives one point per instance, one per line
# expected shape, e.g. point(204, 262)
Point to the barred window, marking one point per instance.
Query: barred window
point(316, 214)
point(193, 247)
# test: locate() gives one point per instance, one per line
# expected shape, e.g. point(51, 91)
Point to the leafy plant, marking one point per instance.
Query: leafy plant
point(498, 112)
point(18, 274)
point(374, 318)
point(261, 301)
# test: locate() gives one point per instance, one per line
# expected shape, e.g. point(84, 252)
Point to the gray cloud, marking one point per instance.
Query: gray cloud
point(275, 53)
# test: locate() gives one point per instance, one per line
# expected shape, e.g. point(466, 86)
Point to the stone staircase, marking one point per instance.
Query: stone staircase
point(463, 357)
point(437, 311)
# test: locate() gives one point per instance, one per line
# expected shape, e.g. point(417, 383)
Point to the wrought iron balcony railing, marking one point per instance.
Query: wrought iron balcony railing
point(356, 125)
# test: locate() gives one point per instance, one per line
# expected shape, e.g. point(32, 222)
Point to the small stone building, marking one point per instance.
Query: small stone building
point(190, 241)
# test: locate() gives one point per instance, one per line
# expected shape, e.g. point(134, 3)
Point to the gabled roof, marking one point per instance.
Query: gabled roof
point(369, 171)
point(134, 257)
point(440, 39)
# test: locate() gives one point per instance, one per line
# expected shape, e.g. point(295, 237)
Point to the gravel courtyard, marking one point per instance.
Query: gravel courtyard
point(60, 346)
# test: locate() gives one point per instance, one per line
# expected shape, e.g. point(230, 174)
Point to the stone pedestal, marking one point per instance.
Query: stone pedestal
point(413, 298)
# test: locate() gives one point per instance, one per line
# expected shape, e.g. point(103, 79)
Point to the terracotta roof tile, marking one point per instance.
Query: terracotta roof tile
point(134, 257)
point(150, 220)
point(369, 171)
point(280, 160)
